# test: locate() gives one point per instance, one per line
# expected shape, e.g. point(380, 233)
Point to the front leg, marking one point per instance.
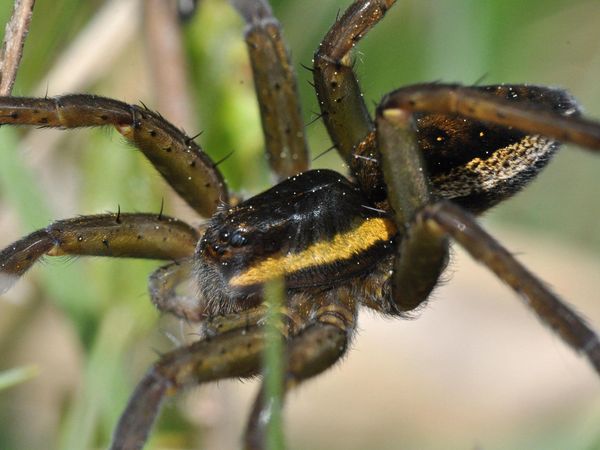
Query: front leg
point(115, 235)
point(180, 161)
point(233, 354)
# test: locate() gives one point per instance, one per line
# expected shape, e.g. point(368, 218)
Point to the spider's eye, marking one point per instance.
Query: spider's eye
point(224, 236)
point(237, 239)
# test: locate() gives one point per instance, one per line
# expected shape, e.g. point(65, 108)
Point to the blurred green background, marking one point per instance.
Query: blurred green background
point(89, 329)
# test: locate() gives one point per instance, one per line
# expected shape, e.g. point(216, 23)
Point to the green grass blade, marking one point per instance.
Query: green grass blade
point(274, 293)
point(12, 377)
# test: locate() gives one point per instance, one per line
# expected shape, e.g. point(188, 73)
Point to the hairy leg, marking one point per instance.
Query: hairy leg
point(342, 106)
point(517, 158)
point(421, 255)
point(177, 157)
point(446, 218)
point(471, 102)
point(236, 353)
point(276, 89)
point(116, 235)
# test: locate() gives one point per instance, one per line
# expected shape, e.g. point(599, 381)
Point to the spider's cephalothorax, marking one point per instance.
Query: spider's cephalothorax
point(433, 154)
point(314, 229)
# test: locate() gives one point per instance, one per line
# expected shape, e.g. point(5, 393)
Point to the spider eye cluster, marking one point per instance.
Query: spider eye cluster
point(228, 238)
point(238, 239)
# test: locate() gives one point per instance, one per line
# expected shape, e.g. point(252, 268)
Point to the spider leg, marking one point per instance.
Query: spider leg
point(165, 284)
point(434, 221)
point(344, 111)
point(177, 157)
point(444, 217)
point(316, 348)
point(422, 254)
point(471, 102)
point(233, 354)
point(276, 88)
point(118, 235)
point(173, 290)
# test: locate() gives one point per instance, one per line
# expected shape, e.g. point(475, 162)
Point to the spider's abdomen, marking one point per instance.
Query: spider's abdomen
point(314, 229)
point(477, 164)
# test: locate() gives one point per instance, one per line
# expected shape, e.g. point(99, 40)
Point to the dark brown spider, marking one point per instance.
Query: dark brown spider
point(379, 240)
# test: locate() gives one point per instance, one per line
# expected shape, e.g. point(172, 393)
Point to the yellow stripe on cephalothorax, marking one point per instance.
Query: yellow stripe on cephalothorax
point(342, 246)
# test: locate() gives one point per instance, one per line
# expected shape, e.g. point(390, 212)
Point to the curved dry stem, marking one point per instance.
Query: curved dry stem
point(14, 41)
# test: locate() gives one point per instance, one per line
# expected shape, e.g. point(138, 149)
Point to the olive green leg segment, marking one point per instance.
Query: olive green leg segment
point(444, 217)
point(276, 88)
point(342, 106)
point(180, 161)
point(311, 352)
point(117, 235)
point(237, 353)
point(422, 254)
point(471, 103)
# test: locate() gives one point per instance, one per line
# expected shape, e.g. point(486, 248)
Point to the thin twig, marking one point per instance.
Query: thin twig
point(12, 46)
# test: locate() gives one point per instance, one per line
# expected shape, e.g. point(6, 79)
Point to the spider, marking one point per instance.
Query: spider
point(433, 156)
